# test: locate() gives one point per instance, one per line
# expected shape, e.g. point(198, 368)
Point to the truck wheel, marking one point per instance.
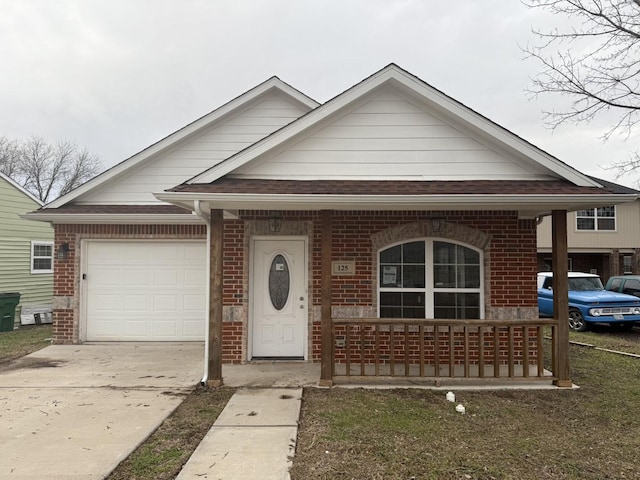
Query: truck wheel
point(577, 322)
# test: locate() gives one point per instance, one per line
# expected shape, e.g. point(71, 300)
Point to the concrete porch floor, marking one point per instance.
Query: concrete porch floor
point(301, 374)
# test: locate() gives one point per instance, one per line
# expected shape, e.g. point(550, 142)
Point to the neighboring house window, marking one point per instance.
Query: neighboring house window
point(596, 219)
point(430, 279)
point(628, 264)
point(548, 263)
point(41, 257)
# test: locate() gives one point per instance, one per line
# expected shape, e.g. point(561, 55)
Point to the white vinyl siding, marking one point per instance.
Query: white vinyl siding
point(194, 155)
point(389, 138)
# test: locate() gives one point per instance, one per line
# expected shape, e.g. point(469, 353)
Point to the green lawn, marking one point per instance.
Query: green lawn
point(604, 336)
point(589, 433)
point(23, 341)
point(161, 457)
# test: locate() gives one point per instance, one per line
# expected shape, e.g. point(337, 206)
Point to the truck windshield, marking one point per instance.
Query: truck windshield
point(585, 284)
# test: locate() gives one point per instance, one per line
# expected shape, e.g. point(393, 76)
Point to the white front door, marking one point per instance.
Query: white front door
point(279, 298)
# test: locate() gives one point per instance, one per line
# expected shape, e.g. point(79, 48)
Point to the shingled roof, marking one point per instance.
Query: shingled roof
point(391, 187)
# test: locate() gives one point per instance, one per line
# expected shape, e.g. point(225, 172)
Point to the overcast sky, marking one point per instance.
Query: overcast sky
point(115, 76)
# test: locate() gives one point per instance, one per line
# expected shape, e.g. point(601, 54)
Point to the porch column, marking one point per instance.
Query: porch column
point(214, 354)
point(326, 327)
point(614, 262)
point(560, 296)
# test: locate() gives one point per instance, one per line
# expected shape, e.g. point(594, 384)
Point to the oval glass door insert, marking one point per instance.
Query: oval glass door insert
point(279, 282)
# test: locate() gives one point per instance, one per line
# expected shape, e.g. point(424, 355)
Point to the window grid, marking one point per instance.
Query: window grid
point(461, 296)
point(596, 219)
point(41, 257)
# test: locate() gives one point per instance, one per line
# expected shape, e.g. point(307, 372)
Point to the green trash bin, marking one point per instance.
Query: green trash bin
point(8, 304)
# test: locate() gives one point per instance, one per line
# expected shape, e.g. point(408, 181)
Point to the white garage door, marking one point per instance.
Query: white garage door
point(145, 291)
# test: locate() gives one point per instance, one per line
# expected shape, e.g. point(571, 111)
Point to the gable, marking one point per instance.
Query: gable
point(104, 187)
point(200, 152)
point(520, 159)
point(389, 135)
point(15, 201)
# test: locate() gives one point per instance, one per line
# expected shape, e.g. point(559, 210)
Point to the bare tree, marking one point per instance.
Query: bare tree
point(9, 156)
point(48, 170)
point(596, 63)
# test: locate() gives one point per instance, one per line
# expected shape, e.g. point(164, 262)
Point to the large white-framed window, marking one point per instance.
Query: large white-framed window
point(41, 257)
point(596, 219)
point(430, 278)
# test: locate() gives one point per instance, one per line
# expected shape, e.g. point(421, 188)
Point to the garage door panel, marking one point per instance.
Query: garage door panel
point(133, 329)
point(107, 303)
point(192, 330)
point(165, 278)
point(136, 303)
point(194, 303)
point(105, 276)
point(167, 254)
point(134, 277)
point(165, 329)
point(192, 255)
point(141, 291)
point(165, 303)
point(108, 328)
point(194, 277)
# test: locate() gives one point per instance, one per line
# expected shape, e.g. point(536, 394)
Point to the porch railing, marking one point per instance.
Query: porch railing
point(433, 349)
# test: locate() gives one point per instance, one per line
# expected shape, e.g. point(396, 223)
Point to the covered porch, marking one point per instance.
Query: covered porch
point(432, 352)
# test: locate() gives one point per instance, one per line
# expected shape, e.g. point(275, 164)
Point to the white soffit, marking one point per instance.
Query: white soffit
point(529, 206)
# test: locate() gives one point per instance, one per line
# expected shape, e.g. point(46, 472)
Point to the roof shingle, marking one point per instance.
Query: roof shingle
point(389, 187)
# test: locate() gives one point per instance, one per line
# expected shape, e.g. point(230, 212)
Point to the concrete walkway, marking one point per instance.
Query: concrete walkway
point(254, 438)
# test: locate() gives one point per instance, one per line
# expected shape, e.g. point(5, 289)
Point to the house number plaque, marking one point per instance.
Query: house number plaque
point(343, 268)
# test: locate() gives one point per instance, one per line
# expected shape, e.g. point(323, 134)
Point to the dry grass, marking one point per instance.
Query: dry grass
point(604, 336)
point(23, 341)
point(164, 453)
point(590, 433)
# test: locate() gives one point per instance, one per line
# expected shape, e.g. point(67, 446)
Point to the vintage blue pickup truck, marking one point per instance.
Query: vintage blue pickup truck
point(589, 302)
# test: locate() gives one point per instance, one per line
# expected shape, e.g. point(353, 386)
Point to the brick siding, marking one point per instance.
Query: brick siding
point(510, 261)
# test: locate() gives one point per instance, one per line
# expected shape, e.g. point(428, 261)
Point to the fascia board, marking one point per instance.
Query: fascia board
point(71, 218)
point(184, 132)
point(20, 188)
point(238, 201)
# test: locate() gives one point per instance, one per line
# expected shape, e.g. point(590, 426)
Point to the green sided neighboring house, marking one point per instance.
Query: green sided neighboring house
point(26, 252)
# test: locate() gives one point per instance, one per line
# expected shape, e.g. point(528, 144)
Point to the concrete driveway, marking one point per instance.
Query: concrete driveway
point(76, 411)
